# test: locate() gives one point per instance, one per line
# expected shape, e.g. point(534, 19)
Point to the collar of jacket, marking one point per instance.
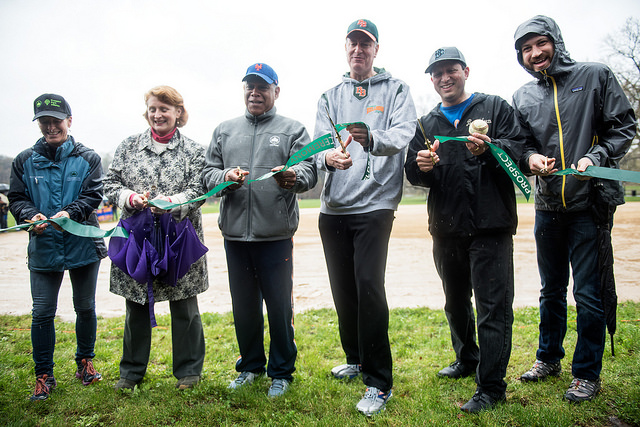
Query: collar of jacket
point(61, 152)
point(478, 97)
point(381, 74)
point(254, 120)
point(146, 141)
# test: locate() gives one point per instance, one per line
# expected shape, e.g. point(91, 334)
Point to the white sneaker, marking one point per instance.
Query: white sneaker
point(346, 371)
point(373, 401)
point(245, 378)
point(279, 386)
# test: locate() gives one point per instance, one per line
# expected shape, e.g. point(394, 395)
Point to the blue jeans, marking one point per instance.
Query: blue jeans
point(564, 239)
point(45, 287)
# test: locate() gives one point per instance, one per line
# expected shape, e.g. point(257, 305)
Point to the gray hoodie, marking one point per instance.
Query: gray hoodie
point(385, 105)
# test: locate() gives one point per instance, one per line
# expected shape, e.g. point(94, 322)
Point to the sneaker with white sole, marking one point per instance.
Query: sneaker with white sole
point(542, 370)
point(582, 390)
point(347, 370)
point(279, 386)
point(374, 401)
point(245, 378)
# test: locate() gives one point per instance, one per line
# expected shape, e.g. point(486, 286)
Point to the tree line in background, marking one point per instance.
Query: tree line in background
point(623, 56)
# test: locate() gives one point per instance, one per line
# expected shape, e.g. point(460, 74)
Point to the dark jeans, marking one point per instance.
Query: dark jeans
point(482, 265)
point(45, 287)
point(187, 339)
point(355, 248)
point(564, 239)
point(263, 271)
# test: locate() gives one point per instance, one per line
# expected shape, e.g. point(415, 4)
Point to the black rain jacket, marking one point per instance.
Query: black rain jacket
point(572, 110)
point(469, 195)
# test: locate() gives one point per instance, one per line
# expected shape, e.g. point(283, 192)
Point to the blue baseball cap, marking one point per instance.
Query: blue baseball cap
point(263, 71)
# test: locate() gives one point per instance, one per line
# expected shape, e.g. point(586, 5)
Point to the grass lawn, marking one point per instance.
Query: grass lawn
point(420, 344)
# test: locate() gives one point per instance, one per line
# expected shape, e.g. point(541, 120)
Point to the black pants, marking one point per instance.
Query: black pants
point(355, 248)
point(187, 339)
point(257, 271)
point(484, 265)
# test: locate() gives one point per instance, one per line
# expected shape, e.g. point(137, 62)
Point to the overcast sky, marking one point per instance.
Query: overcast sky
point(102, 56)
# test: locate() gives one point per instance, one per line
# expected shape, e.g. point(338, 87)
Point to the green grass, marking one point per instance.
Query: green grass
point(420, 344)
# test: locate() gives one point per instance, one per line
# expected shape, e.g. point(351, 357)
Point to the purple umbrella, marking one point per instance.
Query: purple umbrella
point(158, 247)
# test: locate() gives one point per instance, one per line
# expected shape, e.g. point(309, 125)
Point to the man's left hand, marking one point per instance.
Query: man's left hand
point(583, 164)
point(286, 179)
point(359, 134)
point(476, 144)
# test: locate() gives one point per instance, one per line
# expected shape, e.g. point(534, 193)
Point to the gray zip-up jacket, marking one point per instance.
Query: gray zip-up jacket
point(385, 105)
point(572, 110)
point(261, 210)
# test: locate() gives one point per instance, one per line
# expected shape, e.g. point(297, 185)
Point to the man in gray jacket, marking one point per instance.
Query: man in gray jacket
point(258, 220)
point(362, 189)
point(574, 113)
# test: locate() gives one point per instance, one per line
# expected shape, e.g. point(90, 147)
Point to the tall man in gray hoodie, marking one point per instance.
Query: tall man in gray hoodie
point(362, 189)
point(575, 113)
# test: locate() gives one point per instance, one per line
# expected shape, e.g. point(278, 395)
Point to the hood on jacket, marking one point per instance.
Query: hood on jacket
point(544, 26)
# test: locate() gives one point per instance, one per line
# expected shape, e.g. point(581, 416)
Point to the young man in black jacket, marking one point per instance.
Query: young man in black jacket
point(472, 218)
point(573, 113)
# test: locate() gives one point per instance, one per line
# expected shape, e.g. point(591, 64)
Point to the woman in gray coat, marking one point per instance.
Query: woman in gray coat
point(160, 163)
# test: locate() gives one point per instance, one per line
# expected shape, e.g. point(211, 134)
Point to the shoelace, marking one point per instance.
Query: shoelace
point(41, 385)
point(372, 393)
point(88, 367)
point(277, 385)
point(242, 377)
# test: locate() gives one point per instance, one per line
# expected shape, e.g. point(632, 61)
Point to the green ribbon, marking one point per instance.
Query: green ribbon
point(367, 168)
point(504, 160)
point(317, 145)
point(605, 173)
point(75, 228)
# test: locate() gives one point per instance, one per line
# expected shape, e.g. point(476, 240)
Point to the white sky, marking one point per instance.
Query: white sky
point(102, 56)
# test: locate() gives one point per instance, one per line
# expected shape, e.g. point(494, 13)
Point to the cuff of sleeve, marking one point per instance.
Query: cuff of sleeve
point(181, 211)
point(124, 201)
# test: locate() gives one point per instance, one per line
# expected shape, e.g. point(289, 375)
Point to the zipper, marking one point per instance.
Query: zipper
point(560, 137)
point(249, 190)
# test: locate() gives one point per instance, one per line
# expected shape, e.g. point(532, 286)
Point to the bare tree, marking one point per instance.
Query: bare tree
point(624, 59)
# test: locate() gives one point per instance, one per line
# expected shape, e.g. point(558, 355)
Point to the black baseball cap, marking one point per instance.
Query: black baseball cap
point(51, 105)
point(446, 54)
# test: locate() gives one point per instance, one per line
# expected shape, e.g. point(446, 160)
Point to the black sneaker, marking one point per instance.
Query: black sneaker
point(88, 373)
point(481, 401)
point(457, 370)
point(44, 386)
point(582, 390)
point(542, 370)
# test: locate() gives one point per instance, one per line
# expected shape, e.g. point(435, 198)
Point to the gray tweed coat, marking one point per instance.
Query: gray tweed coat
point(173, 169)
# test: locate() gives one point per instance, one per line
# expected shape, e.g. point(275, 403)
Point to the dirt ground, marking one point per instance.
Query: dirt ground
point(411, 279)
